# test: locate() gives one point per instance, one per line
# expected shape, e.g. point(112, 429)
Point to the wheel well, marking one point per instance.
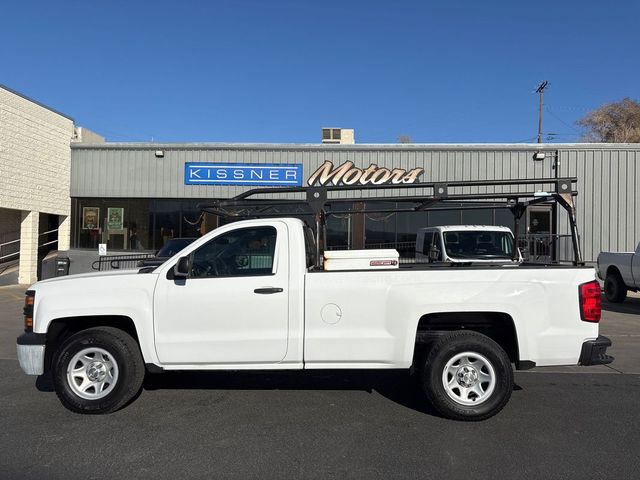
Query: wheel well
point(496, 325)
point(62, 328)
point(612, 270)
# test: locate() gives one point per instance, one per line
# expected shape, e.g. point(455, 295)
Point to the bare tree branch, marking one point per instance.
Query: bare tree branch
point(617, 122)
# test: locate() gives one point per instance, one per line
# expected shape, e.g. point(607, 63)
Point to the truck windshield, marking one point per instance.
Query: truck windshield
point(480, 244)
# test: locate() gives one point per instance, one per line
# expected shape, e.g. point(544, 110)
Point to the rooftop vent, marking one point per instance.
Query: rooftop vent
point(344, 136)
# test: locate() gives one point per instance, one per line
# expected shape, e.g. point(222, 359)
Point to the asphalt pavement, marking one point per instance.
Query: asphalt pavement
point(565, 423)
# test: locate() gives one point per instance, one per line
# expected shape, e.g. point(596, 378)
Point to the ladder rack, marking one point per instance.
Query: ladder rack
point(322, 201)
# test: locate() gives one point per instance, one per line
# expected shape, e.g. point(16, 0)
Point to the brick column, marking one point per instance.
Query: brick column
point(28, 270)
point(64, 233)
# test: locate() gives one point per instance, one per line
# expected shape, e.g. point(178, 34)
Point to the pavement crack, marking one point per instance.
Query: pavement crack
point(615, 369)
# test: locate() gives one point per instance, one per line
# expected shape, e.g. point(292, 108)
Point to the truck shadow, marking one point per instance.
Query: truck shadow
point(631, 305)
point(397, 386)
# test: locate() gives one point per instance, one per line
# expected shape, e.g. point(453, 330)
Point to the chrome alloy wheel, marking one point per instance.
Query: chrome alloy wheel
point(469, 378)
point(92, 373)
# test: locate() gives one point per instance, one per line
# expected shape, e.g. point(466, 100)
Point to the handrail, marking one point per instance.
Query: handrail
point(115, 262)
point(9, 243)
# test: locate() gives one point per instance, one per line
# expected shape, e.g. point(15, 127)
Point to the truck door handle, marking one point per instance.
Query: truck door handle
point(267, 290)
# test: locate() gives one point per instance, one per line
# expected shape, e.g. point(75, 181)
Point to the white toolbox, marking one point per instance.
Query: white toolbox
point(374, 259)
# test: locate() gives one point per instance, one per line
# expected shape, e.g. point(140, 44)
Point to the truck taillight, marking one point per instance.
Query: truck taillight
point(590, 301)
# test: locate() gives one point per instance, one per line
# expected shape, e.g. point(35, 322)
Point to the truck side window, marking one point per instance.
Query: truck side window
point(310, 246)
point(242, 252)
point(428, 241)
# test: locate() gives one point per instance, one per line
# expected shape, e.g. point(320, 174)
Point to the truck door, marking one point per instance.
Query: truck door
point(233, 307)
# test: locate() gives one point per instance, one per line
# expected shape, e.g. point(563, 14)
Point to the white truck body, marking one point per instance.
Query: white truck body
point(220, 323)
point(294, 317)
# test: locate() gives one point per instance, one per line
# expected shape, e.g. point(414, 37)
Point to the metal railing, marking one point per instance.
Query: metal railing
point(47, 240)
point(546, 248)
point(119, 262)
point(9, 250)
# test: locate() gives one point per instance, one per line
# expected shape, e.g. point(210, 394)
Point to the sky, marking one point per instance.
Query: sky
point(277, 71)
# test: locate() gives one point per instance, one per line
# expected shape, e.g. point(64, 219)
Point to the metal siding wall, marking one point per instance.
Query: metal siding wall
point(135, 172)
point(608, 205)
point(608, 178)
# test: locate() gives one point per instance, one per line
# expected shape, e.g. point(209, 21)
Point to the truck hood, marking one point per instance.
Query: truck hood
point(110, 275)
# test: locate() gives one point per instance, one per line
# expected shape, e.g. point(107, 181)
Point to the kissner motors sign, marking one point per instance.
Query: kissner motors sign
point(347, 174)
point(242, 174)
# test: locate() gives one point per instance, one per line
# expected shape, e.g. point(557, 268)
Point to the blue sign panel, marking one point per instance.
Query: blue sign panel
point(249, 174)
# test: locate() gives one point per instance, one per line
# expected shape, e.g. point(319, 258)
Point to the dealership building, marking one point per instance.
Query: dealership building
point(64, 187)
point(153, 190)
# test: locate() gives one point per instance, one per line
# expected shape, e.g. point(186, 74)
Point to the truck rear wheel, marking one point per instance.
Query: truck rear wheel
point(467, 376)
point(98, 370)
point(614, 288)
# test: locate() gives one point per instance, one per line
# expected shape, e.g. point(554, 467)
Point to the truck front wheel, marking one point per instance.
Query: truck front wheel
point(614, 288)
point(467, 376)
point(98, 370)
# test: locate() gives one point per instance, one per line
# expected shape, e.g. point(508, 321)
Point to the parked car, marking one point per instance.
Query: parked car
point(251, 295)
point(168, 250)
point(620, 272)
point(462, 244)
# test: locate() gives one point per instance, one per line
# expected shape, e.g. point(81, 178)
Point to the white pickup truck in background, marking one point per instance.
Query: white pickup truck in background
point(249, 296)
point(463, 244)
point(620, 272)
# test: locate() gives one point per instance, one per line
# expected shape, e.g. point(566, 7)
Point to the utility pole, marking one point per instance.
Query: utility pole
point(540, 91)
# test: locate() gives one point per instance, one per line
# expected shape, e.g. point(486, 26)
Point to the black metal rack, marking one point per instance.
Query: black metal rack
point(318, 202)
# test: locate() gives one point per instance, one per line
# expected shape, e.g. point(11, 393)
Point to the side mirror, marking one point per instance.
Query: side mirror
point(181, 269)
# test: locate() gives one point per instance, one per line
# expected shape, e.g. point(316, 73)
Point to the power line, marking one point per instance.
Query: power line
point(560, 120)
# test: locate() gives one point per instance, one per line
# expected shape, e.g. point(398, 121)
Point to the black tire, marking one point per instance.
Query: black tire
point(614, 288)
point(121, 350)
point(482, 349)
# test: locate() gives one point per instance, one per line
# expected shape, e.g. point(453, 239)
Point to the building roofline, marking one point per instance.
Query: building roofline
point(40, 104)
point(354, 147)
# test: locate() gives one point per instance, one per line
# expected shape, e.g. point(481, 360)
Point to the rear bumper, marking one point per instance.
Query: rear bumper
point(594, 352)
point(30, 347)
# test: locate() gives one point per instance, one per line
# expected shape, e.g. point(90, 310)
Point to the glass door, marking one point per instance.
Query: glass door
point(538, 237)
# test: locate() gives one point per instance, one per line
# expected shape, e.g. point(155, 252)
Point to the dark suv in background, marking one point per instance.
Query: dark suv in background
point(169, 249)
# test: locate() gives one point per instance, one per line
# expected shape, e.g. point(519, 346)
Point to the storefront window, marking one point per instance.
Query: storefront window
point(483, 216)
point(504, 217)
point(123, 224)
point(409, 223)
point(133, 224)
point(444, 217)
point(380, 228)
point(147, 224)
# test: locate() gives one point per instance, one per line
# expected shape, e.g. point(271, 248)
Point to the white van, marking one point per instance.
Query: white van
point(465, 244)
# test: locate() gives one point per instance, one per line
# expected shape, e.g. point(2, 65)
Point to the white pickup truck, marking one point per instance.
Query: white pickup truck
point(247, 296)
point(620, 272)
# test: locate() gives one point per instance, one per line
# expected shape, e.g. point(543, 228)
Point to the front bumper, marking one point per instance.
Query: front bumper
point(30, 348)
point(594, 352)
